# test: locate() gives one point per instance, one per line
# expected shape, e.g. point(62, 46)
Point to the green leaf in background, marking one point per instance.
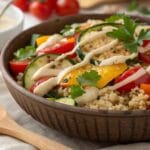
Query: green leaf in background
point(144, 10)
point(114, 18)
point(76, 91)
point(133, 5)
point(25, 53)
point(89, 78)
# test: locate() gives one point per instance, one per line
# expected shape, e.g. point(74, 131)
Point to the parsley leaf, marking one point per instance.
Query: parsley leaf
point(125, 33)
point(25, 53)
point(76, 91)
point(114, 18)
point(133, 5)
point(89, 78)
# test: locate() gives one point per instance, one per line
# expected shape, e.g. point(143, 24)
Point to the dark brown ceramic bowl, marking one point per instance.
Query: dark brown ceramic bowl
point(100, 125)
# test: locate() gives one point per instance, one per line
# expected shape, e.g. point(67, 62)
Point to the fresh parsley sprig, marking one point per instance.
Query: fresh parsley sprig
point(76, 91)
point(125, 33)
point(89, 78)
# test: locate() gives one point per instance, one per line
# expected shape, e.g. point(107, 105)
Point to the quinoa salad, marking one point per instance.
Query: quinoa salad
point(97, 64)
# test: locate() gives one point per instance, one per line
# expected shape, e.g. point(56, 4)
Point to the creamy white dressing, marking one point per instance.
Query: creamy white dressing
point(139, 28)
point(52, 82)
point(50, 41)
point(40, 72)
point(6, 22)
point(117, 59)
point(86, 59)
point(131, 78)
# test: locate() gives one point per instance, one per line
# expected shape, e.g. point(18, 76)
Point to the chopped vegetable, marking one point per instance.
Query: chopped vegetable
point(60, 47)
point(18, 66)
point(89, 78)
point(133, 5)
point(76, 91)
point(131, 83)
point(33, 39)
point(67, 101)
point(25, 53)
point(103, 71)
point(146, 88)
point(41, 39)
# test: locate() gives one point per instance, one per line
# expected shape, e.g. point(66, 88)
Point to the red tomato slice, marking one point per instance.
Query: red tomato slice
point(145, 57)
point(127, 88)
point(18, 66)
point(60, 48)
point(67, 7)
point(145, 43)
point(41, 80)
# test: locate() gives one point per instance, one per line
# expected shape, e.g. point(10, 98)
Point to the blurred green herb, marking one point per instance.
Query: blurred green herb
point(25, 53)
point(76, 91)
point(133, 5)
point(89, 78)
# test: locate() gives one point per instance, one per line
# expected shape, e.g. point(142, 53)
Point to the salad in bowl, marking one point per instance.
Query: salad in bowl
point(97, 64)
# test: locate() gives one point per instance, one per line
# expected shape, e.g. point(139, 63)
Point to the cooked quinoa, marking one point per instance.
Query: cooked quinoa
point(113, 100)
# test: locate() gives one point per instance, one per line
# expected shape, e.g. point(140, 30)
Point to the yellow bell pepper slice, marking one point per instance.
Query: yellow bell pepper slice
point(107, 74)
point(41, 39)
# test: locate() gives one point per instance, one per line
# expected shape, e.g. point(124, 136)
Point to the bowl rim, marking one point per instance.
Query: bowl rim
point(63, 107)
point(17, 10)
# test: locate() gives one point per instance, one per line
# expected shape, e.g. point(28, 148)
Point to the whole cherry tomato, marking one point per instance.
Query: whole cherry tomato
point(22, 4)
point(41, 9)
point(67, 7)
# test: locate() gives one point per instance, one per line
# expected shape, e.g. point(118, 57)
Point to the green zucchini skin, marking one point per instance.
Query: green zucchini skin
point(97, 27)
point(67, 101)
point(37, 63)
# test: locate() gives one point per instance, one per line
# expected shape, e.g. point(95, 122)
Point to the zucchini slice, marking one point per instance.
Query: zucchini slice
point(80, 50)
point(38, 63)
point(67, 101)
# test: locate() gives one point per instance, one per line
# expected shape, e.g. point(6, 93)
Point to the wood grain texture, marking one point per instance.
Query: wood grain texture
point(9, 127)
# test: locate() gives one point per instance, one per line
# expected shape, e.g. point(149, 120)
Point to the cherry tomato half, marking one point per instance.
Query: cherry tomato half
point(22, 4)
point(18, 66)
point(127, 88)
point(40, 9)
point(67, 7)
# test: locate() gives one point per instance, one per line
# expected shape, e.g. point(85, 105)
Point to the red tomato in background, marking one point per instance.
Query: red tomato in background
point(22, 4)
point(18, 66)
point(67, 7)
point(41, 9)
point(52, 3)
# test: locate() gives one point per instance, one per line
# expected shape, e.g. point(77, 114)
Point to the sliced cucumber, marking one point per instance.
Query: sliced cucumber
point(67, 101)
point(38, 63)
point(81, 53)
